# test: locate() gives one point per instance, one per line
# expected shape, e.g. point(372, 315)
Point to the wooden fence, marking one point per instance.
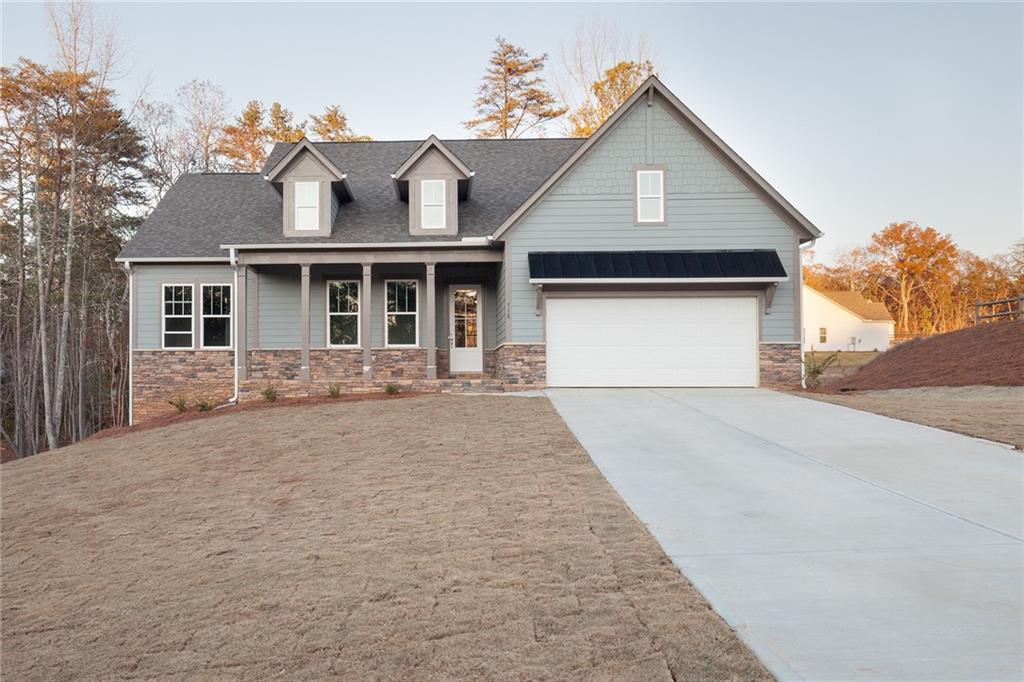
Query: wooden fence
point(1001, 309)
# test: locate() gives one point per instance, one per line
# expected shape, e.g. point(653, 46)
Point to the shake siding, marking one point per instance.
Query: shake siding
point(150, 294)
point(592, 208)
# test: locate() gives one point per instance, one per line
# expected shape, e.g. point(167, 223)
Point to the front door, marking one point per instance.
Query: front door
point(467, 353)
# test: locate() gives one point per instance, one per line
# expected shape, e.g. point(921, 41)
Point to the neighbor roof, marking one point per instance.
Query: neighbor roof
point(204, 210)
point(854, 301)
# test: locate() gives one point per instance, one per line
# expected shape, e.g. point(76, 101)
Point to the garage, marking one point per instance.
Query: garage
point(652, 341)
point(654, 318)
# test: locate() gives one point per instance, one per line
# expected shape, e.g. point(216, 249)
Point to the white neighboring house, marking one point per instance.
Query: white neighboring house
point(845, 320)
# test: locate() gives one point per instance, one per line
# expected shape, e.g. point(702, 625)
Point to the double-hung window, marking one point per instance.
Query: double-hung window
point(307, 205)
point(177, 316)
point(650, 196)
point(401, 327)
point(822, 335)
point(432, 204)
point(342, 313)
point(216, 316)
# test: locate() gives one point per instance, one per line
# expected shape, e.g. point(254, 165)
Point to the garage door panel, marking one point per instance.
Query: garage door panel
point(652, 341)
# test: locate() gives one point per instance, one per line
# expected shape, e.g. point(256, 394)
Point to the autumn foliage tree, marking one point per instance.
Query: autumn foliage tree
point(927, 282)
point(608, 93)
point(513, 98)
point(332, 126)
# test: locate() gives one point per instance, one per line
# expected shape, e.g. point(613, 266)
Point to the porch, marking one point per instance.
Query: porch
point(423, 320)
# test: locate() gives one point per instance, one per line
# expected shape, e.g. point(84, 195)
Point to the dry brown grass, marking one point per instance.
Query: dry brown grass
point(991, 412)
point(435, 537)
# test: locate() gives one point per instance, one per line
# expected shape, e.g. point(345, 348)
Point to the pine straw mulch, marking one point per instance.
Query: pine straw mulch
point(439, 537)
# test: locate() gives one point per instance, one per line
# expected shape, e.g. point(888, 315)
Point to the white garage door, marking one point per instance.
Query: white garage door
point(651, 341)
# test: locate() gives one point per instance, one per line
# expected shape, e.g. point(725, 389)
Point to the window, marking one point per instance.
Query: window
point(823, 335)
point(401, 328)
point(177, 317)
point(216, 322)
point(650, 196)
point(342, 313)
point(307, 205)
point(432, 216)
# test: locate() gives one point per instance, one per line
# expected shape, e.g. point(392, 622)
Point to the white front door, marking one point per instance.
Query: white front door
point(466, 342)
point(685, 341)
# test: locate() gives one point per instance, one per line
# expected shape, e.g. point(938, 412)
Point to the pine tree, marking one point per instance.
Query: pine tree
point(608, 94)
point(513, 98)
point(243, 142)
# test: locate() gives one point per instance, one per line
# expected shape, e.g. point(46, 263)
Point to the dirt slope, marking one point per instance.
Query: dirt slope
point(987, 355)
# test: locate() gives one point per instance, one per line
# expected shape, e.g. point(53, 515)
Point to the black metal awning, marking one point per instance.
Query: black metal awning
point(582, 267)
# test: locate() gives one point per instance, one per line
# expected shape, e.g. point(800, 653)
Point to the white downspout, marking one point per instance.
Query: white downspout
point(233, 400)
point(131, 351)
point(800, 283)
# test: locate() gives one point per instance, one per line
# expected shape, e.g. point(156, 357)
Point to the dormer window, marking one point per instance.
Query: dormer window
point(432, 193)
point(307, 206)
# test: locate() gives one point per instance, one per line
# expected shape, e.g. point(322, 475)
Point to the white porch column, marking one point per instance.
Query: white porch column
point(366, 332)
point(305, 322)
point(431, 342)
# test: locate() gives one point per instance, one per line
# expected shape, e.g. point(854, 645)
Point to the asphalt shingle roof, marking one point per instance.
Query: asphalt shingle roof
point(204, 210)
point(854, 301)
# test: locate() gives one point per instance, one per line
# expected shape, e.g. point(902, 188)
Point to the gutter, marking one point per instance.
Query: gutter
point(131, 325)
point(349, 246)
point(800, 285)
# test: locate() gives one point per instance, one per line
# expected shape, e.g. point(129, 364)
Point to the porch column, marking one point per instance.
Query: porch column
point(241, 354)
point(366, 332)
point(431, 323)
point(305, 322)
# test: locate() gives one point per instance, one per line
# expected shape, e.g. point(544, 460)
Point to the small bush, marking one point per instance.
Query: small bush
point(334, 390)
point(813, 370)
point(204, 405)
point(269, 393)
point(391, 389)
point(179, 404)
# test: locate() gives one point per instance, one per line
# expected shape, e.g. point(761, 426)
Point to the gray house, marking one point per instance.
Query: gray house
point(649, 254)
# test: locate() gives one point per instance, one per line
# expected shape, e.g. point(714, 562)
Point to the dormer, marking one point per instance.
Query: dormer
point(433, 181)
point(312, 190)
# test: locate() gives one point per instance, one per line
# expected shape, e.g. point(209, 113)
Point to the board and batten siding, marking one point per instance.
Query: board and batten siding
point(149, 295)
point(592, 208)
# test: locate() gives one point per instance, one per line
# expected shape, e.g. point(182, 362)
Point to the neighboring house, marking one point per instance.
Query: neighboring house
point(649, 254)
point(845, 320)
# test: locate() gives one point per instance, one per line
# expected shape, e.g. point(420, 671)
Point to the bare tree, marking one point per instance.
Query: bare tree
point(597, 47)
point(204, 106)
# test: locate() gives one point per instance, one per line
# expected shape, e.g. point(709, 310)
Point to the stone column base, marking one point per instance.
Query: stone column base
point(780, 365)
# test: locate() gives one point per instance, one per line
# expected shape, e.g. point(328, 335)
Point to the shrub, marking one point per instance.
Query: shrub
point(334, 390)
point(179, 404)
point(269, 393)
point(204, 405)
point(391, 389)
point(813, 370)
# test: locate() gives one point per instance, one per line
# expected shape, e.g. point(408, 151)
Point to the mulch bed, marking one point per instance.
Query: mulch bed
point(986, 355)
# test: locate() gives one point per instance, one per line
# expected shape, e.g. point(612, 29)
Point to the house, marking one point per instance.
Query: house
point(845, 320)
point(649, 254)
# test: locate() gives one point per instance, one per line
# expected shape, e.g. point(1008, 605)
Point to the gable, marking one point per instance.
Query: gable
point(305, 165)
point(649, 136)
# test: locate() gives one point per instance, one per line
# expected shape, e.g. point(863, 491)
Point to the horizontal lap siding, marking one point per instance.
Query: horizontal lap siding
point(592, 209)
point(150, 279)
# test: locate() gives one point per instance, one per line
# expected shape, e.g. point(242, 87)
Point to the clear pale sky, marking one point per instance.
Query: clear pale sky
point(860, 114)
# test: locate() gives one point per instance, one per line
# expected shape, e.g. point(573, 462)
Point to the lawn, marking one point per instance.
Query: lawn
point(431, 537)
point(990, 412)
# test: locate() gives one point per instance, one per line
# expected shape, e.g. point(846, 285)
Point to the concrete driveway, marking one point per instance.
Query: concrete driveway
point(840, 544)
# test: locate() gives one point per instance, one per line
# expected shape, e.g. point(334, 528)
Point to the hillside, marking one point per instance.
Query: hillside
point(986, 355)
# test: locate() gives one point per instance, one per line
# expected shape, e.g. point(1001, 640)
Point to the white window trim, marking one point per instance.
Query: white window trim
point(358, 314)
point(387, 343)
point(163, 316)
point(639, 196)
point(230, 316)
point(295, 208)
point(443, 205)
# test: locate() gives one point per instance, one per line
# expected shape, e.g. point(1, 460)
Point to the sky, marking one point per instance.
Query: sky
point(859, 114)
